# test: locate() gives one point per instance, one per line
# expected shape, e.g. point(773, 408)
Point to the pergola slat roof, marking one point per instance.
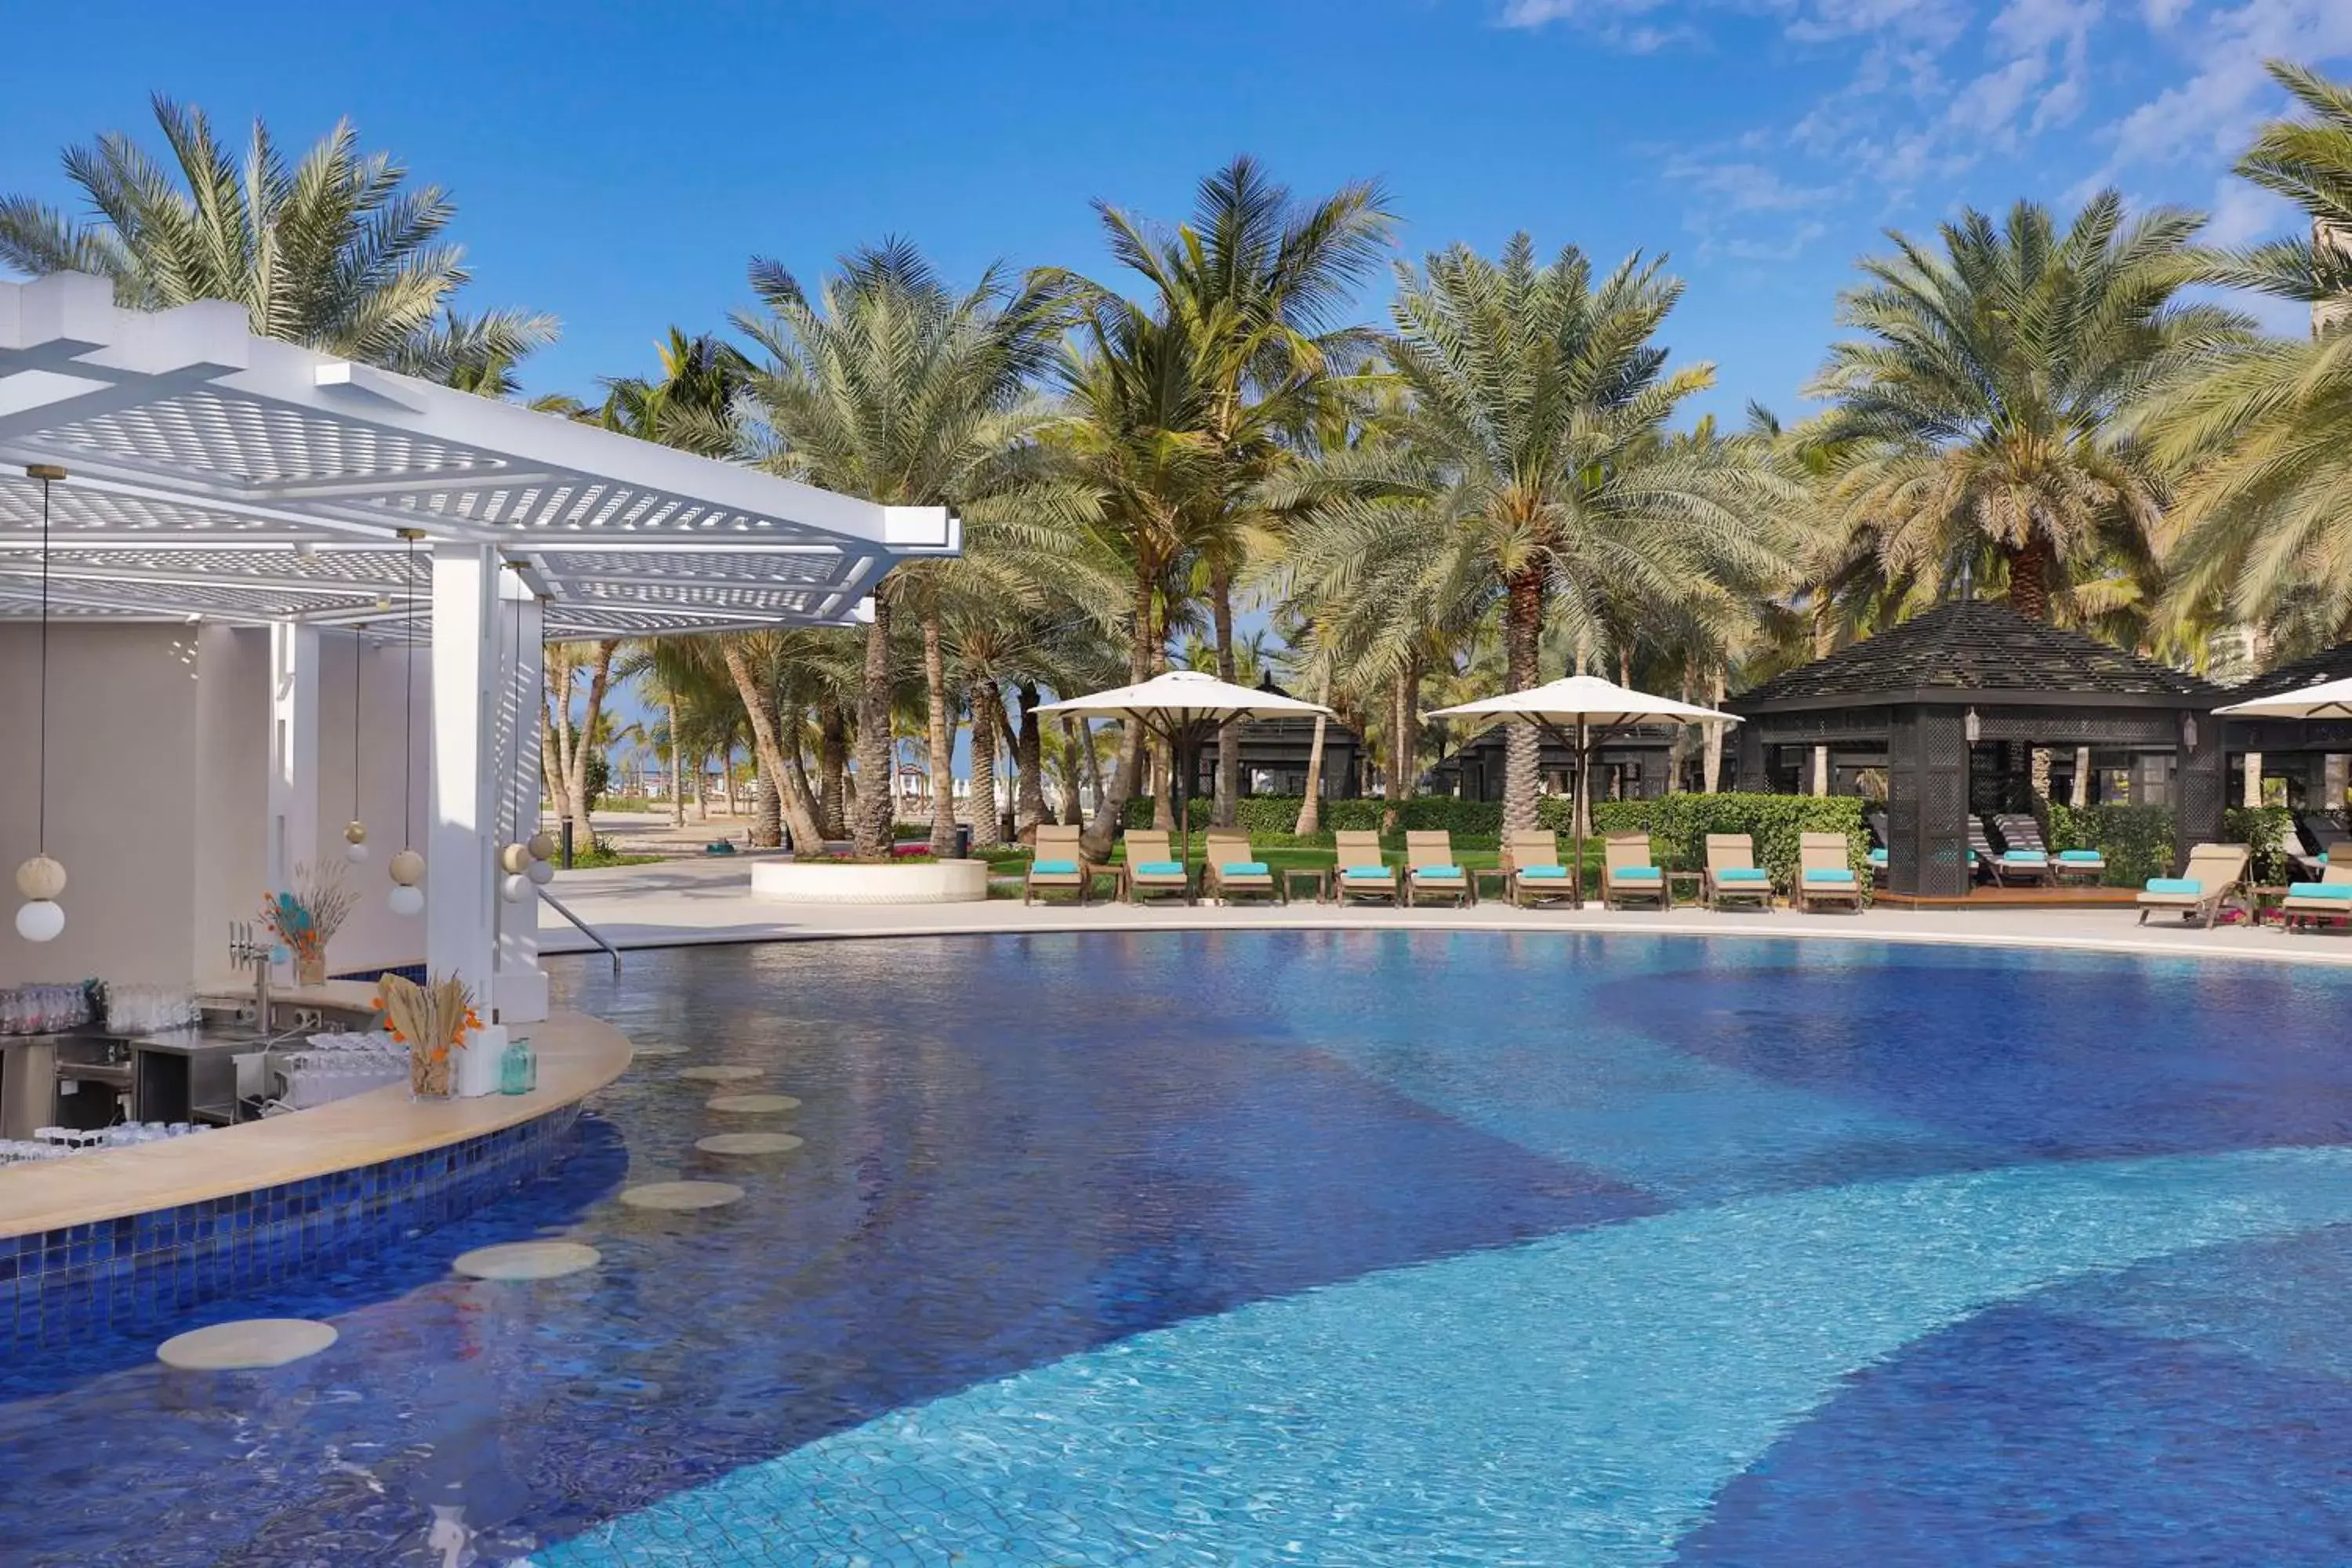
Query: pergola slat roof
point(1968, 650)
point(220, 475)
point(2329, 664)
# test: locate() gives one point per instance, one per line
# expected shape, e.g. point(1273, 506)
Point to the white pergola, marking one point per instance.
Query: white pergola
point(218, 476)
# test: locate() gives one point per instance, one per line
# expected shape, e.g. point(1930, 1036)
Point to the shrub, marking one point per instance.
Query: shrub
point(1272, 815)
point(2269, 832)
point(1678, 826)
point(2135, 840)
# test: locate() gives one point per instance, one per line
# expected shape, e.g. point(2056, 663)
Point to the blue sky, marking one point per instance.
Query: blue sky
point(618, 165)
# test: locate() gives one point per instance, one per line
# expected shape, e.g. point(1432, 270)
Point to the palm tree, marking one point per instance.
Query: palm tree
point(891, 385)
point(1529, 473)
point(336, 252)
point(1251, 284)
point(1978, 406)
point(691, 406)
point(2259, 426)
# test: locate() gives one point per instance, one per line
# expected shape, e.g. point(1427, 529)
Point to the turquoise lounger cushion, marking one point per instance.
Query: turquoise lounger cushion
point(2190, 885)
point(1878, 857)
point(1243, 868)
point(1439, 873)
point(1544, 873)
point(1364, 873)
point(1055, 867)
point(1743, 874)
point(1829, 876)
point(2319, 890)
point(2024, 857)
point(2082, 857)
point(1161, 869)
point(1636, 874)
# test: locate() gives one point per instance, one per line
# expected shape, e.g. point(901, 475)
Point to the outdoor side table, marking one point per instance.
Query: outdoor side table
point(1502, 879)
point(1695, 881)
point(1320, 875)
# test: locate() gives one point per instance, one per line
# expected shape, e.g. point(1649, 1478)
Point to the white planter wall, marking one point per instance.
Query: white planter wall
point(918, 882)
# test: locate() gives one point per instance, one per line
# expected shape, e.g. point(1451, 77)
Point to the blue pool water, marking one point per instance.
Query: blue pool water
point(1317, 1248)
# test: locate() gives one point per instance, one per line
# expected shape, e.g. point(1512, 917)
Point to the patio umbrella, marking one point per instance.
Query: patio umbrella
point(1570, 710)
point(1184, 708)
point(2329, 700)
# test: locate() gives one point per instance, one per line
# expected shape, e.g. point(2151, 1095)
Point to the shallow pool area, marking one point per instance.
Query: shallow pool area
point(1266, 1246)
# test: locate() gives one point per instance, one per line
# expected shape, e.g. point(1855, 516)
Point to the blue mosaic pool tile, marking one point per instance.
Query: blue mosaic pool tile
point(143, 1269)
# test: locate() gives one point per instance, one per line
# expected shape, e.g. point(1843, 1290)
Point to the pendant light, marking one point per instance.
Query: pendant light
point(355, 849)
point(408, 867)
point(41, 878)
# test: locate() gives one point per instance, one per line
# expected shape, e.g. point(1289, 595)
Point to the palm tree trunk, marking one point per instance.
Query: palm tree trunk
point(2029, 580)
point(987, 719)
point(871, 827)
point(942, 732)
point(1029, 756)
point(1085, 768)
point(1110, 804)
point(1713, 764)
point(677, 765)
point(2082, 791)
point(832, 765)
point(575, 778)
point(759, 708)
point(1229, 736)
point(1310, 809)
point(767, 810)
point(1522, 634)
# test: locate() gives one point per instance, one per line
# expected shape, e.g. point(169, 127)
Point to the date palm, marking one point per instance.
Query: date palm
point(1253, 284)
point(887, 384)
point(2259, 426)
point(336, 251)
point(1528, 471)
point(1976, 410)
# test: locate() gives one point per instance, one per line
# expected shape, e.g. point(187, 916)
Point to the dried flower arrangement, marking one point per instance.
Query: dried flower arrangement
point(433, 1021)
point(306, 919)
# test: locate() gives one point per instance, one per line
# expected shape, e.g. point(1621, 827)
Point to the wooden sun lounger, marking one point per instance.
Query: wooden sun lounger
point(2214, 872)
point(2305, 906)
point(2023, 857)
point(1361, 872)
point(1235, 871)
point(1825, 873)
point(1534, 870)
point(1732, 874)
point(1057, 864)
point(1152, 870)
point(1431, 871)
point(1629, 870)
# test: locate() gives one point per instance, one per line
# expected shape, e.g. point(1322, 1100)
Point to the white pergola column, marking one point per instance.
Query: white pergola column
point(522, 988)
point(293, 827)
point(461, 928)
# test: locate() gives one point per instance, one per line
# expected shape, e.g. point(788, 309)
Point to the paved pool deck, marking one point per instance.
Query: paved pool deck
point(683, 902)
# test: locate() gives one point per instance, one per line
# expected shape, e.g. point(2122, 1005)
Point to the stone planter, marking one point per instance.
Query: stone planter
point(919, 882)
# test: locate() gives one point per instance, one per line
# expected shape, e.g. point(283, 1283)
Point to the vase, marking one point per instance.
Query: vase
point(432, 1073)
point(310, 971)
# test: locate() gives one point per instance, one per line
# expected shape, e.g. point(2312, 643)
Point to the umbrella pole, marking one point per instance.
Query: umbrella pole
point(1576, 810)
point(1182, 752)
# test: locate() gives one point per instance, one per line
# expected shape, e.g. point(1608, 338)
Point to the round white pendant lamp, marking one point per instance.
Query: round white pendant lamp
point(40, 880)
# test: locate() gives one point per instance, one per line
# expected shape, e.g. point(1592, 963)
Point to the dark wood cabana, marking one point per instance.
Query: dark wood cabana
point(1275, 754)
point(1929, 698)
point(2295, 749)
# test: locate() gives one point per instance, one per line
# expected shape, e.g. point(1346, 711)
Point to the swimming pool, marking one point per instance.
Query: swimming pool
point(1332, 1247)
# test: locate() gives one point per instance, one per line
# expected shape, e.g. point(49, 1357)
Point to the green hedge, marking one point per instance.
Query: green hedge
point(2269, 832)
point(2134, 840)
point(1276, 816)
point(1678, 826)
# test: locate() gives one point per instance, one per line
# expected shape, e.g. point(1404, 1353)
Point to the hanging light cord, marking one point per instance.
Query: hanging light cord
point(359, 652)
point(41, 791)
point(408, 742)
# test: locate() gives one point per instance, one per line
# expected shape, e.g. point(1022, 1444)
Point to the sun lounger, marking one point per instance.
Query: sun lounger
point(2022, 857)
point(1431, 871)
point(1151, 870)
point(1057, 863)
point(1535, 872)
point(2213, 873)
point(1825, 873)
point(1982, 855)
point(2327, 899)
point(2085, 866)
point(1732, 875)
point(1361, 872)
point(1235, 871)
point(1629, 871)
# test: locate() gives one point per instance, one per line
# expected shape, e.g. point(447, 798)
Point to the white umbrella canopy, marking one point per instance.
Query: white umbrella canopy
point(1584, 700)
point(1184, 697)
point(2329, 700)
point(1184, 707)
point(1570, 708)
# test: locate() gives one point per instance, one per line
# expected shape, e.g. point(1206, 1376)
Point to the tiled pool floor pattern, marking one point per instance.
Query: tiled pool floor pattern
point(1211, 1249)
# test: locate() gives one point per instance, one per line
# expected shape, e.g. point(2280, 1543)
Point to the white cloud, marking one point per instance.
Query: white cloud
point(1745, 188)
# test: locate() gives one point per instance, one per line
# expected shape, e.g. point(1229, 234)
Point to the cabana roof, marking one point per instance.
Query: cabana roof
point(1967, 650)
point(217, 474)
point(2329, 664)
